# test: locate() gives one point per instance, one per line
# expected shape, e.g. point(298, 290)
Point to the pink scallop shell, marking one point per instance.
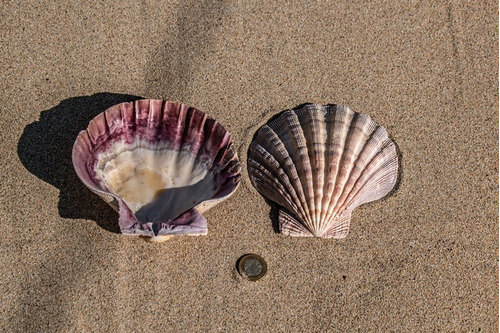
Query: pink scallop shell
point(161, 125)
point(320, 162)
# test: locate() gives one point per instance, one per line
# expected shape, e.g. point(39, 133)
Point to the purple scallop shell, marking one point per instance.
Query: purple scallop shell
point(157, 127)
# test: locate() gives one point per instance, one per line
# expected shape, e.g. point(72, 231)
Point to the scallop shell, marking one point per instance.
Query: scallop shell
point(159, 164)
point(319, 163)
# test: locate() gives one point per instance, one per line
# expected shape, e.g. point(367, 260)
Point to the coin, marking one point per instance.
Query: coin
point(252, 266)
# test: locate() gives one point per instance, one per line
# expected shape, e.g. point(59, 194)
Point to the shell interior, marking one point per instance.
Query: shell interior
point(155, 161)
point(141, 176)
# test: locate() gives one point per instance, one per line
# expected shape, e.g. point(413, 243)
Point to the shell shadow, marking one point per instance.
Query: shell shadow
point(399, 180)
point(274, 215)
point(45, 149)
point(274, 207)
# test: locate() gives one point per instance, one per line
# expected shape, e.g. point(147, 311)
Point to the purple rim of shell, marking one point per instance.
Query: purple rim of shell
point(177, 126)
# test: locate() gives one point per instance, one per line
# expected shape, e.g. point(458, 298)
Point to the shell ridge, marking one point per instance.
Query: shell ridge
point(296, 133)
point(340, 116)
point(343, 127)
point(350, 189)
point(180, 128)
point(378, 145)
point(134, 118)
point(269, 178)
point(385, 178)
point(388, 168)
point(124, 123)
point(185, 137)
point(107, 129)
point(340, 227)
point(221, 159)
point(270, 191)
point(195, 146)
point(137, 113)
point(226, 168)
point(180, 125)
point(289, 225)
point(287, 164)
point(267, 188)
point(91, 133)
point(347, 156)
point(281, 177)
point(211, 138)
point(161, 116)
point(314, 136)
point(356, 139)
point(220, 162)
point(224, 152)
point(329, 144)
point(152, 112)
point(230, 156)
point(358, 158)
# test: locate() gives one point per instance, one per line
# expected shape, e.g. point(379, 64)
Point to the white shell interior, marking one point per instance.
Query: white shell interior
point(138, 173)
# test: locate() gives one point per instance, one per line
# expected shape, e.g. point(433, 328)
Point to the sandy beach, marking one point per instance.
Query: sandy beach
point(424, 259)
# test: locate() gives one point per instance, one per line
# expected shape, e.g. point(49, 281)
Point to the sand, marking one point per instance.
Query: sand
point(424, 259)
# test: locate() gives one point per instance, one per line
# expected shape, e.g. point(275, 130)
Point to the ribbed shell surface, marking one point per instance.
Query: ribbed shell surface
point(319, 163)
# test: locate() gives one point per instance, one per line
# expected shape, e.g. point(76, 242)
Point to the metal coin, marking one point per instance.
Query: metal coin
point(252, 267)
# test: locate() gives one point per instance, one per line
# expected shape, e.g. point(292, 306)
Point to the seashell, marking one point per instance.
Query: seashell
point(319, 163)
point(159, 164)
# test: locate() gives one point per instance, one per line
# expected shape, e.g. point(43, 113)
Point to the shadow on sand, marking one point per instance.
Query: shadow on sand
point(45, 150)
point(185, 50)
